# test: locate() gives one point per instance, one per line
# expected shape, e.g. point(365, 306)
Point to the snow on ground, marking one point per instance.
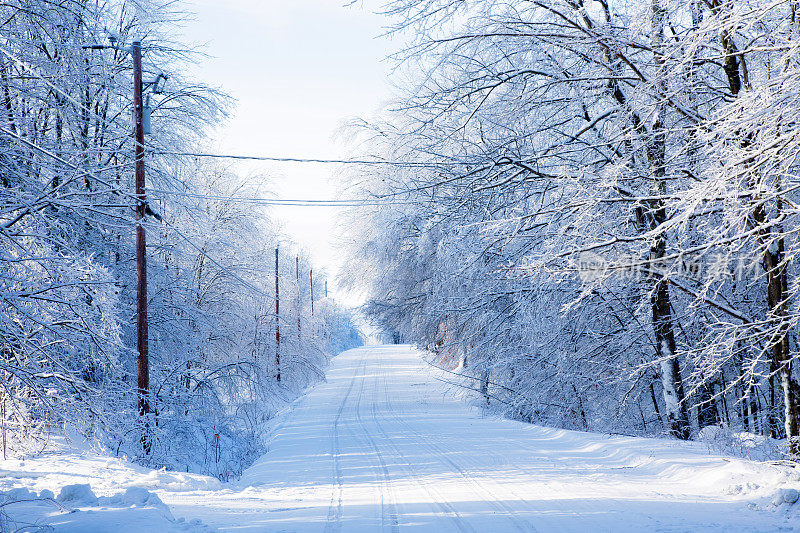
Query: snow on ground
point(73, 490)
point(384, 446)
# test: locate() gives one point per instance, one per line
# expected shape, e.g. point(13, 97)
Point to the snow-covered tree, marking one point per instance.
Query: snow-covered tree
point(600, 168)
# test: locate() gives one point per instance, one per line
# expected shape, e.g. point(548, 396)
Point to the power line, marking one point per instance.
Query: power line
point(262, 201)
point(284, 201)
point(291, 159)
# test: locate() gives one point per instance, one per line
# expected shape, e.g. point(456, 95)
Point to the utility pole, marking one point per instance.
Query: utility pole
point(277, 320)
point(326, 288)
point(142, 363)
point(311, 283)
point(297, 277)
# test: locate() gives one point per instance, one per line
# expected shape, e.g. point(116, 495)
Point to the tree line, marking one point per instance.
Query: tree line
point(595, 225)
point(67, 282)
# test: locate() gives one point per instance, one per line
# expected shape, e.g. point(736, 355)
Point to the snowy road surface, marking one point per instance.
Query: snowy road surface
point(384, 446)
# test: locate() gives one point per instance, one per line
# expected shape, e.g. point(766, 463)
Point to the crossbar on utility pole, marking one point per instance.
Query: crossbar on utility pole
point(142, 363)
point(277, 320)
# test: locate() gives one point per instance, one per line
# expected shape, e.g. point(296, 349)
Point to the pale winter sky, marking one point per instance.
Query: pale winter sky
point(298, 69)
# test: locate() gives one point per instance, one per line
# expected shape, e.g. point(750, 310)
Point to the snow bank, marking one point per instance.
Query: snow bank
point(177, 481)
point(76, 495)
point(95, 493)
point(789, 496)
point(78, 509)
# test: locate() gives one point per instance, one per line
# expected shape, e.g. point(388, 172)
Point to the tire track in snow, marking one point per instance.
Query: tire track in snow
point(502, 507)
point(444, 508)
point(334, 523)
point(387, 493)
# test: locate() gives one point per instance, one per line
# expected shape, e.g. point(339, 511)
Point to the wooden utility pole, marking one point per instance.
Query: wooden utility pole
point(311, 283)
point(297, 277)
point(142, 363)
point(277, 320)
point(3, 415)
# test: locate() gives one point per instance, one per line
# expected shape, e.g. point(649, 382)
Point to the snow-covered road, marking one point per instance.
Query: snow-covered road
point(384, 446)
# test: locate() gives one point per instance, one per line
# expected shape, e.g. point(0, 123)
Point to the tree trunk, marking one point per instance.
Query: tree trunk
point(666, 351)
point(773, 257)
point(777, 292)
